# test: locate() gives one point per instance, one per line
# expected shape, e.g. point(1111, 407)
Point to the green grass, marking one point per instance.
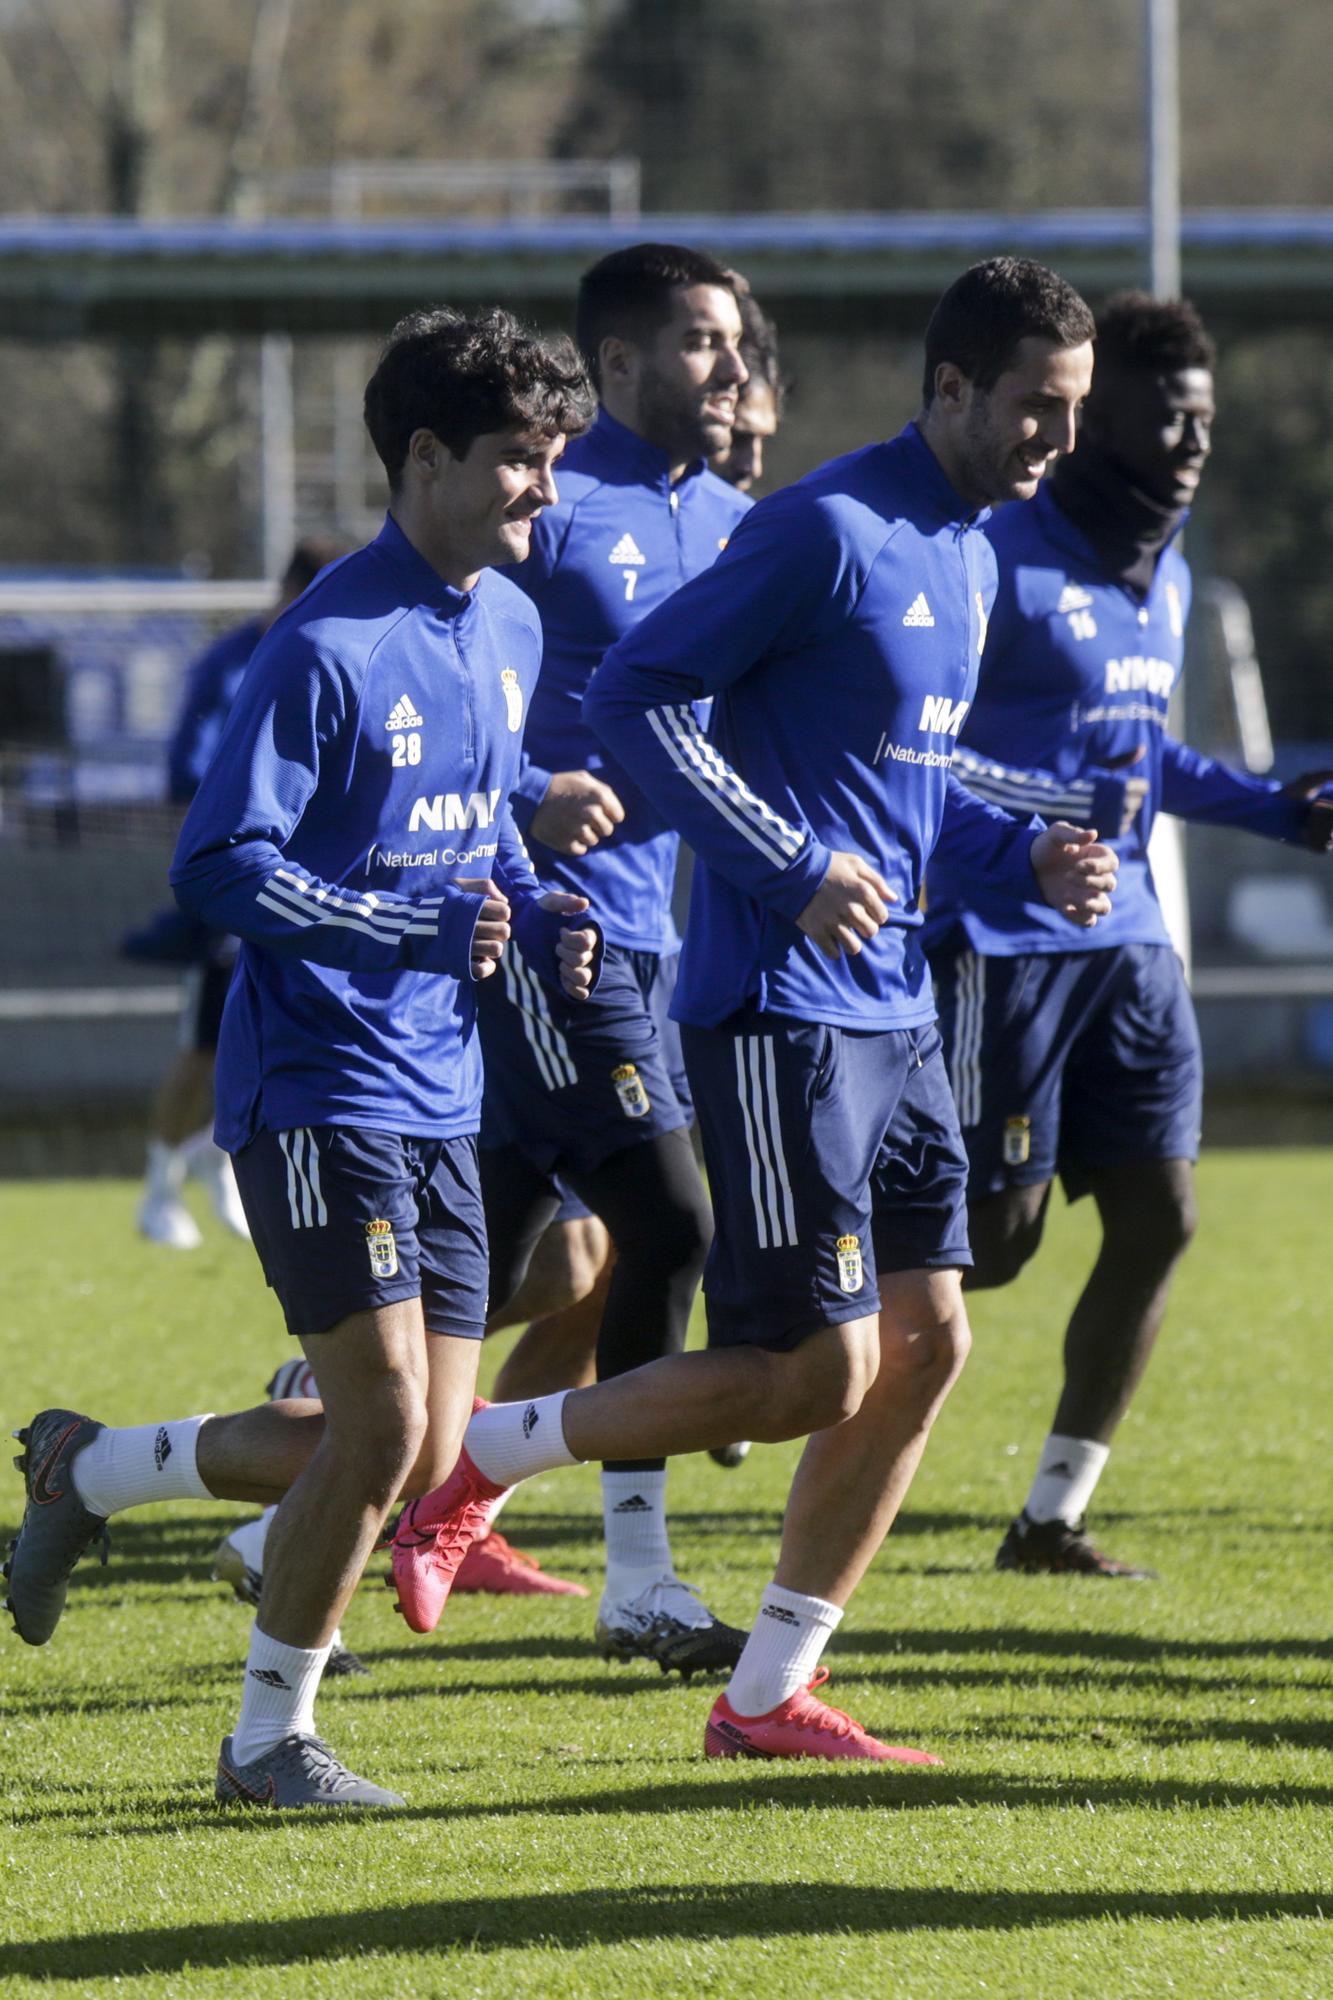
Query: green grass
point(1136, 1790)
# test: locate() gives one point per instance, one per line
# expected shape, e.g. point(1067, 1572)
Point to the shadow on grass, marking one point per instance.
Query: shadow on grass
point(593, 1917)
point(883, 1790)
point(1081, 1642)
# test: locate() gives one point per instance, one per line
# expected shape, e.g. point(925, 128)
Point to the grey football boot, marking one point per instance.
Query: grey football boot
point(299, 1771)
point(57, 1527)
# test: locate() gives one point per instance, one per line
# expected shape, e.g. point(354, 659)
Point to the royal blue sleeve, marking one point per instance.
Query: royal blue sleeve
point(231, 867)
point(987, 840)
point(1196, 787)
point(202, 715)
point(760, 594)
point(1095, 800)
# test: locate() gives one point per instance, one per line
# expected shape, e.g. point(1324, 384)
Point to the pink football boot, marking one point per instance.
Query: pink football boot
point(800, 1727)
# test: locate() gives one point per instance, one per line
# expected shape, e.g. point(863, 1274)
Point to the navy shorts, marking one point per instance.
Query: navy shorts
point(346, 1220)
point(833, 1157)
point(1070, 1061)
point(570, 1082)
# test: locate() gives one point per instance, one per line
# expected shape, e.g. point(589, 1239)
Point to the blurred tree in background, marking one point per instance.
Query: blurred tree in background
point(144, 454)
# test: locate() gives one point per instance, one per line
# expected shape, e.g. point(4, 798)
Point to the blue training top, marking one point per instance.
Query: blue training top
point(209, 693)
point(1079, 671)
point(840, 632)
point(622, 539)
point(365, 766)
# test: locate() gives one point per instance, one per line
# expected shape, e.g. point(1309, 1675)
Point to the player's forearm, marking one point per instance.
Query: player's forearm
point(771, 856)
point(1095, 800)
point(255, 892)
point(1199, 788)
point(978, 838)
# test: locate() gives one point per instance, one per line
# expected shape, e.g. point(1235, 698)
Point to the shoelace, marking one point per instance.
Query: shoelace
point(319, 1761)
point(655, 1610)
point(472, 1518)
point(825, 1718)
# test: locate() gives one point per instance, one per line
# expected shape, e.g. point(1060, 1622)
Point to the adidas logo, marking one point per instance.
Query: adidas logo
point(403, 716)
point(636, 1504)
point(1074, 599)
point(530, 1420)
point(269, 1677)
point(781, 1613)
point(161, 1447)
point(626, 551)
point(918, 611)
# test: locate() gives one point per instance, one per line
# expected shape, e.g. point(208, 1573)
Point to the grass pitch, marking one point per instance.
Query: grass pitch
point(1135, 1798)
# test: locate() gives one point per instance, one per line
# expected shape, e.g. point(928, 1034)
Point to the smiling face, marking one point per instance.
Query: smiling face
point(1158, 428)
point(465, 514)
point(1006, 438)
point(742, 463)
point(679, 390)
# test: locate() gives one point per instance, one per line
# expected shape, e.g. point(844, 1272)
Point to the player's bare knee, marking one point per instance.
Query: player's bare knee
point(924, 1336)
point(1149, 1219)
point(836, 1370)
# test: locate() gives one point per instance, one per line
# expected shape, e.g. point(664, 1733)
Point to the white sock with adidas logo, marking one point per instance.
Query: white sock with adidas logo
point(782, 1651)
point(132, 1468)
point(638, 1552)
point(281, 1683)
point(1066, 1478)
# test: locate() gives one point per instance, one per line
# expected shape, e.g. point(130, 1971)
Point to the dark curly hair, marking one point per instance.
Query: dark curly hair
point(1152, 336)
point(980, 320)
point(460, 377)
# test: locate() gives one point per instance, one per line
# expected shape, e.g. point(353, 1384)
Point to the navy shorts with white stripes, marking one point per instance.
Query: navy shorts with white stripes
point(570, 1082)
point(833, 1157)
point(1069, 1061)
point(346, 1220)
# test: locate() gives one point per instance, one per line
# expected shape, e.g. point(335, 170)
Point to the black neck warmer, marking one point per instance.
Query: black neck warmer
point(1127, 528)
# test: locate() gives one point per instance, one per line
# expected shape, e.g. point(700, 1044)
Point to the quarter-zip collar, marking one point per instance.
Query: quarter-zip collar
point(934, 484)
point(614, 449)
point(424, 584)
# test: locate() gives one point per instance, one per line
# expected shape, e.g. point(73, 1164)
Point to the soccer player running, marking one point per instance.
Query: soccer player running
point(1077, 1053)
point(181, 1137)
point(595, 1092)
point(840, 635)
point(353, 829)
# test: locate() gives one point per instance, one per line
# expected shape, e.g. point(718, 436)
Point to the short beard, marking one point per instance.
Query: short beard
point(683, 434)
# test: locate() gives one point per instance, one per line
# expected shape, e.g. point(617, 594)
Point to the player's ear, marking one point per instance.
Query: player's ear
point(426, 455)
point(952, 387)
point(617, 359)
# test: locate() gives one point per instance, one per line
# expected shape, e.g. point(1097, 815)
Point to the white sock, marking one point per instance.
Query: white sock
point(494, 1512)
point(133, 1468)
point(249, 1540)
point(167, 1168)
point(634, 1519)
point(783, 1649)
point(1066, 1480)
point(200, 1146)
point(511, 1441)
point(279, 1699)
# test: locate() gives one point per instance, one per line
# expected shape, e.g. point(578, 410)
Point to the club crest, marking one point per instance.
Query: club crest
point(850, 1275)
point(513, 695)
point(1017, 1141)
point(383, 1250)
point(629, 1089)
